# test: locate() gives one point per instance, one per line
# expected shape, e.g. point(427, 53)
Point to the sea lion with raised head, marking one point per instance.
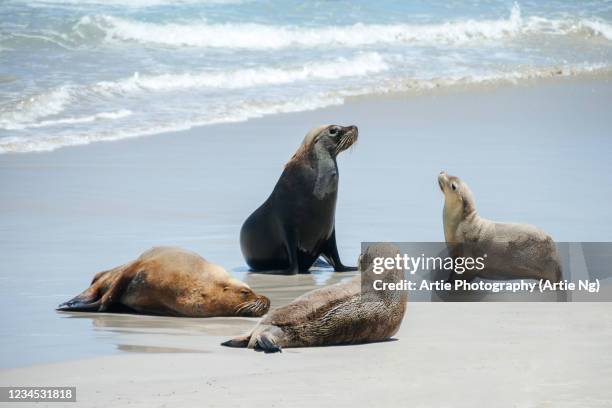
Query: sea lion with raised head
point(513, 251)
point(296, 224)
point(344, 313)
point(169, 281)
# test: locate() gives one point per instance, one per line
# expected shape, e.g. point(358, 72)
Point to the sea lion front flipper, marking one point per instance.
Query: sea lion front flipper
point(267, 344)
point(330, 253)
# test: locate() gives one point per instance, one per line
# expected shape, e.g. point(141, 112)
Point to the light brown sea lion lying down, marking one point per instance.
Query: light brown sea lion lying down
point(169, 281)
point(336, 314)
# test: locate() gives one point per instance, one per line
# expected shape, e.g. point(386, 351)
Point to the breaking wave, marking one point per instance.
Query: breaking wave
point(27, 112)
point(260, 36)
point(254, 109)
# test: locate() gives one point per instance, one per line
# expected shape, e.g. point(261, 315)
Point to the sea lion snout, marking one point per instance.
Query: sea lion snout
point(351, 129)
point(348, 137)
point(254, 308)
point(442, 179)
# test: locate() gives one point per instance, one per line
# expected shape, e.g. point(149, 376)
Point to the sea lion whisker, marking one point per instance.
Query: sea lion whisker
point(248, 306)
point(340, 147)
point(346, 142)
point(258, 306)
point(240, 307)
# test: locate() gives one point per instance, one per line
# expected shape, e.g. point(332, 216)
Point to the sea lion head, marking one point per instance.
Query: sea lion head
point(242, 300)
point(327, 140)
point(458, 198)
point(367, 261)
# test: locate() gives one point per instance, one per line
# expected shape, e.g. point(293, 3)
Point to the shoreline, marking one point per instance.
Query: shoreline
point(490, 85)
point(401, 90)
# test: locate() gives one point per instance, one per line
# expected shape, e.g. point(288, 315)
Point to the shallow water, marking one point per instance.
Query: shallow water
point(76, 72)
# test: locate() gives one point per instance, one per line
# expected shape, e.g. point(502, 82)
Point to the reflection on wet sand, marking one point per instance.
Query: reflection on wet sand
point(152, 349)
point(283, 289)
point(161, 334)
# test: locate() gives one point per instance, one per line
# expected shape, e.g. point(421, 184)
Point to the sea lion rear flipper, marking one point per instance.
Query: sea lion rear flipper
point(80, 304)
point(94, 298)
point(238, 342)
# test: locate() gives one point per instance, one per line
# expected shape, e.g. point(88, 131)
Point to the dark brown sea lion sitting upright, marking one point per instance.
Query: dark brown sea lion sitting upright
point(296, 224)
point(344, 313)
point(169, 281)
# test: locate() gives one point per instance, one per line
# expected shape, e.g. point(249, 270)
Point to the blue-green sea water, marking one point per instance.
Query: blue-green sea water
point(76, 72)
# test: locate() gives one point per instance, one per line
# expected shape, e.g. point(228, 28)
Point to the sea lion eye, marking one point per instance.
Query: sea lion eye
point(454, 186)
point(333, 130)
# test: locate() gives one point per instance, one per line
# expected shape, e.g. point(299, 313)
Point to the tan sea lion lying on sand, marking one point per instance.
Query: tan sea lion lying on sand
point(169, 281)
point(336, 314)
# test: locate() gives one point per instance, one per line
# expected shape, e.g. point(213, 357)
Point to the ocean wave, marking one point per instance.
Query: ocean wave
point(122, 113)
point(122, 3)
point(260, 36)
point(598, 27)
point(34, 107)
point(246, 110)
point(404, 85)
point(28, 112)
point(363, 64)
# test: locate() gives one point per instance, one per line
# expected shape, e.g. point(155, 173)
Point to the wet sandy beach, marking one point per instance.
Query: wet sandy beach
point(67, 214)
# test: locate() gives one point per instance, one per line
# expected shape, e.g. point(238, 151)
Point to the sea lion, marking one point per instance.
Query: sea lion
point(343, 313)
point(169, 281)
point(513, 251)
point(295, 225)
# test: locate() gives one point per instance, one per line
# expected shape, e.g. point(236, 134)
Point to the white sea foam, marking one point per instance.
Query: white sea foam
point(491, 78)
point(598, 27)
point(69, 121)
point(248, 110)
point(35, 107)
point(253, 109)
point(28, 112)
point(123, 3)
point(363, 64)
point(259, 36)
